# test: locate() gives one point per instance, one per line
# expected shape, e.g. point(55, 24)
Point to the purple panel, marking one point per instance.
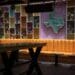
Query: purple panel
point(48, 33)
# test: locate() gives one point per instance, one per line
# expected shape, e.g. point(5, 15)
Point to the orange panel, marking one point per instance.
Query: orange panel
point(70, 49)
point(74, 47)
point(50, 45)
point(55, 46)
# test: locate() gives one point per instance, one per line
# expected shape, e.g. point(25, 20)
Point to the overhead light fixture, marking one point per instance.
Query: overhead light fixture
point(40, 6)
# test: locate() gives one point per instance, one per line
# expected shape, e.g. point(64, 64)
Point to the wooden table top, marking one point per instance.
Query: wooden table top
point(19, 45)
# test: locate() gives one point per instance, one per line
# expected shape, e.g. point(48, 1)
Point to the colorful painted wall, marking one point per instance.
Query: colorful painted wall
point(16, 23)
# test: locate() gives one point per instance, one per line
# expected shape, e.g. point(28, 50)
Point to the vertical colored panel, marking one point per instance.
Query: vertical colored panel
point(17, 29)
point(36, 21)
point(6, 17)
point(29, 27)
point(11, 12)
point(7, 32)
point(12, 33)
point(17, 18)
point(36, 33)
point(29, 30)
point(1, 22)
point(17, 8)
point(23, 33)
point(1, 33)
point(12, 22)
point(23, 21)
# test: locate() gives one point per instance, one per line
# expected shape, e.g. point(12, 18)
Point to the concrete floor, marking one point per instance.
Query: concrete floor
point(47, 69)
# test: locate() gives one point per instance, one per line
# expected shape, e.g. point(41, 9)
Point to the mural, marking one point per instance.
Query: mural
point(53, 24)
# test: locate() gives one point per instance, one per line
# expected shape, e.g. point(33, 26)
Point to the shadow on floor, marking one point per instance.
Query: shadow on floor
point(47, 69)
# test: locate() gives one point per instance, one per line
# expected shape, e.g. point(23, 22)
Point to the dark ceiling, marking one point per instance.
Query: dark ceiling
point(11, 2)
point(6, 2)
